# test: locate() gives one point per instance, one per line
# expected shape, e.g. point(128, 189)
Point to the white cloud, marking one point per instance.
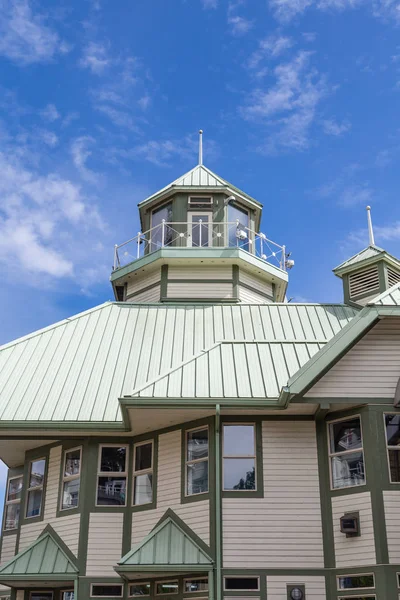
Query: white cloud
point(209, 4)
point(50, 113)
point(356, 194)
point(81, 152)
point(144, 102)
point(48, 137)
point(95, 58)
point(388, 232)
point(269, 48)
point(288, 107)
point(331, 127)
point(285, 10)
point(25, 37)
point(309, 36)
point(119, 117)
point(239, 25)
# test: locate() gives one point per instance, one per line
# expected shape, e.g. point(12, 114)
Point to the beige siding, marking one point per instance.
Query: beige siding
point(200, 290)
point(266, 531)
point(8, 548)
point(152, 295)
point(392, 516)
point(67, 528)
point(20, 595)
point(200, 272)
point(370, 369)
point(314, 585)
point(138, 282)
point(255, 282)
point(53, 483)
point(354, 551)
point(251, 297)
point(104, 543)
point(195, 515)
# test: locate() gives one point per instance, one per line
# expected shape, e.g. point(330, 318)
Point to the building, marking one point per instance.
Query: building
point(200, 437)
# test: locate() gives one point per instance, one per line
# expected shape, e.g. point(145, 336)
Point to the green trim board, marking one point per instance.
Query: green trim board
point(368, 256)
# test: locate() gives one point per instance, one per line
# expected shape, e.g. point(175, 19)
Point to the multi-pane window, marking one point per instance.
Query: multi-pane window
point(197, 461)
point(112, 476)
point(71, 478)
point(392, 423)
point(161, 235)
point(346, 453)
point(236, 584)
point(239, 457)
point(355, 582)
point(139, 589)
point(102, 590)
point(167, 587)
point(69, 595)
point(37, 470)
point(13, 503)
point(195, 585)
point(143, 473)
point(41, 596)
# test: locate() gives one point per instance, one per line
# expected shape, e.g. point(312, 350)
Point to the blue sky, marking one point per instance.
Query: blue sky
point(101, 101)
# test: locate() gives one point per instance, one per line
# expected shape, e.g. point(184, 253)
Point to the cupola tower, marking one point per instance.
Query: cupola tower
point(200, 241)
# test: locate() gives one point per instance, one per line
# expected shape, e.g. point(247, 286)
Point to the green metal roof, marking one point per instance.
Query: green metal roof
point(75, 371)
point(365, 257)
point(48, 557)
point(170, 544)
point(390, 297)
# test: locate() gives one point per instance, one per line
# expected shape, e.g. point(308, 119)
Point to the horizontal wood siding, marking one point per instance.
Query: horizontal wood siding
point(151, 295)
point(262, 532)
point(200, 290)
point(8, 548)
point(104, 543)
point(255, 282)
point(391, 500)
point(195, 515)
point(314, 586)
point(369, 370)
point(53, 483)
point(251, 297)
point(67, 528)
point(138, 282)
point(354, 551)
point(20, 595)
point(200, 272)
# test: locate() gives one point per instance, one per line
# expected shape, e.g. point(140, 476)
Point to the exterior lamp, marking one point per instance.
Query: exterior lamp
point(296, 594)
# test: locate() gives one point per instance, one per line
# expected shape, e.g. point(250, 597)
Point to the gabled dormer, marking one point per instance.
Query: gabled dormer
point(200, 241)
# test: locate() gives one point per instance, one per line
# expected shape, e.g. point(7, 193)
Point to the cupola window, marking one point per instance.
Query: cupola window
point(238, 226)
point(200, 229)
point(160, 235)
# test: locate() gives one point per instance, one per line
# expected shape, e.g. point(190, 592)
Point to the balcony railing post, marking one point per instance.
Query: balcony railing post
point(162, 233)
point(200, 222)
point(138, 244)
point(115, 256)
point(237, 232)
point(283, 258)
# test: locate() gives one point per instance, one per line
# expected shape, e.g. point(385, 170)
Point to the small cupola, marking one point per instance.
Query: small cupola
point(368, 273)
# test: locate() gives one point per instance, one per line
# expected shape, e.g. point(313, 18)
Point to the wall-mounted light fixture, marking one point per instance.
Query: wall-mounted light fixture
point(296, 592)
point(350, 524)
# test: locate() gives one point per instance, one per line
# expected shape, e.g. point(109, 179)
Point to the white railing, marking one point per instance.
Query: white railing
point(199, 234)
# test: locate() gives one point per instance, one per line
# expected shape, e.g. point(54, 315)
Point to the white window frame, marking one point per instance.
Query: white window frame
point(111, 474)
point(209, 224)
point(230, 456)
point(156, 583)
point(138, 583)
point(195, 579)
point(149, 471)
point(66, 592)
point(67, 478)
point(242, 577)
point(196, 198)
point(333, 454)
point(354, 575)
point(36, 487)
point(390, 447)
point(199, 460)
point(105, 584)
point(10, 502)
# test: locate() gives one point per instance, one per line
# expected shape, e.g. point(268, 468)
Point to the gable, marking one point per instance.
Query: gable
point(370, 369)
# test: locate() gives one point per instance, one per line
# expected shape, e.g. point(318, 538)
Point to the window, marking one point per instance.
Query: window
point(35, 488)
point(197, 461)
point(143, 473)
point(71, 478)
point(373, 597)
point(242, 584)
point(392, 425)
point(238, 223)
point(139, 589)
point(112, 473)
point(355, 582)
point(41, 596)
point(195, 585)
point(68, 595)
point(167, 587)
point(101, 590)
point(239, 457)
point(163, 213)
point(13, 502)
point(346, 453)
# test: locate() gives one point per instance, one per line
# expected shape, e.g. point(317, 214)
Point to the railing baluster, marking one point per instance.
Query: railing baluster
point(138, 244)
point(200, 240)
point(162, 233)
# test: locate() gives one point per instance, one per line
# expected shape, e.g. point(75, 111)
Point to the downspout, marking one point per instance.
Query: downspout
point(76, 589)
point(218, 512)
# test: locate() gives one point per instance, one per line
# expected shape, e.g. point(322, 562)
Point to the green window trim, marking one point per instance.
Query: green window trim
point(15, 502)
point(104, 585)
point(141, 472)
point(36, 454)
point(337, 454)
point(390, 448)
point(112, 474)
point(67, 478)
point(67, 446)
point(197, 425)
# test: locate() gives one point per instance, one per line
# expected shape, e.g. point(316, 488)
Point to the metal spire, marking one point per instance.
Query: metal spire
point(200, 147)
point(370, 230)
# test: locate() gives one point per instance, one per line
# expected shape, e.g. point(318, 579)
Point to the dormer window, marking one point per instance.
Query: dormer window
point(160, 235)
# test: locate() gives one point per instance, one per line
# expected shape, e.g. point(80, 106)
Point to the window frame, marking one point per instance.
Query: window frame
point(184, 591)
point(230, 456)
point(10, 502)
point(225, 589)
point(354, 597)
point(345, 452)
point(138, 583)
point(63, 592)
point(67, 478)
point(187, 462)
point(156, 583)
point(354, 575)
point(390, 447)
point(143, 472)
point(111, 474)
point(41, 592)
point(30, 489)
point(105, 584)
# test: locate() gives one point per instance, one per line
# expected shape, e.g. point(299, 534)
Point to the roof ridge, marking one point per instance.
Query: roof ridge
point(384, 294)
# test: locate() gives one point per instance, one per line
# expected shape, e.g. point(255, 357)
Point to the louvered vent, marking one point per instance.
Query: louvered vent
point(364, 281)
point(393, 277)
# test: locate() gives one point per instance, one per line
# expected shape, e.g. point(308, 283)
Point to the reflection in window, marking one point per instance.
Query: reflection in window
point(139, 589)
point(167, 587)
point(68, 595)
point(143, 473)
point(108, 591)
point(197, 461)
point(71, 479)
point(41, 596)
point(354, 582)
point(238, 232)
point(195, 585)
point(35, 488)
point(164, 213)
point(111, 480)
point(392, 423)
point(241, 583)
point(239, 457)
point(13, 503)
point(346, 453)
